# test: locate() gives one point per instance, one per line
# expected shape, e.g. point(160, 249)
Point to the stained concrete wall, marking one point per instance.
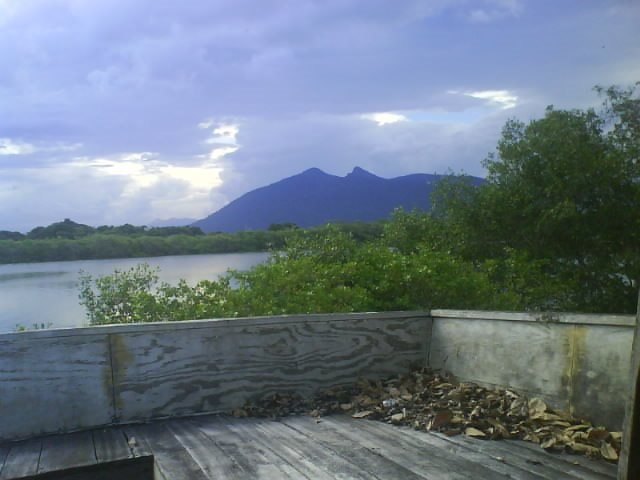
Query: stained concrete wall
point(70, 379)
point(578, 363)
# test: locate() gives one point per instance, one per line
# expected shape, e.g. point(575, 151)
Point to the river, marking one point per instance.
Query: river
point(47, 293)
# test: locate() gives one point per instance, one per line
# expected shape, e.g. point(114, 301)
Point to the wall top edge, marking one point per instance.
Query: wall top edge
point(539, 317)
point(102, 330)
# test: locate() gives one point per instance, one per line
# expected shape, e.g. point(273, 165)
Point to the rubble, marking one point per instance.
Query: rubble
point(434, 401)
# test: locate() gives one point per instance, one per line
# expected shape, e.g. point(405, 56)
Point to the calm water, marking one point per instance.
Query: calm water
point(47, 292)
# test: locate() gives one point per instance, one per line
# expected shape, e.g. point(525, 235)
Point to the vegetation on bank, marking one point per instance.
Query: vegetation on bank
point(68, 240)
point(555, 227)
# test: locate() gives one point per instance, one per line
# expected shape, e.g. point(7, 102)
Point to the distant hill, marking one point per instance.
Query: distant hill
point(314, 197)
point(172, 222)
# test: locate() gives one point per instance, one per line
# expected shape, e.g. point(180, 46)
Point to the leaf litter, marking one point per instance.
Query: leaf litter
point(433, 400)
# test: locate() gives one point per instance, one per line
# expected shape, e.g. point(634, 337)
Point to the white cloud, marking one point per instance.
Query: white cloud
point(495, 10)
point(19, 147)
point(219, 152)
point(13, 147)
point(502, 98)
point(385, 118)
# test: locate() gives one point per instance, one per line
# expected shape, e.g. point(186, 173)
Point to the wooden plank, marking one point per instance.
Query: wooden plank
point(4, 451)
point(250, 456)
point(67, 451)
point(506, 456)
point(307, 468)
point(174, 373)
point(22, 459)
point(593, 466)
point(171, 458)
point(480, 456)
point(629, 466)
point(111, 445)
point(305, 449)
point(211, 459)
point(370, 462)
point(391, 443)
point(72, 373)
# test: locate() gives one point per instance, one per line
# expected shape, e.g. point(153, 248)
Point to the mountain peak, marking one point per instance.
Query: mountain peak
point(313, 171)
point(361, 173)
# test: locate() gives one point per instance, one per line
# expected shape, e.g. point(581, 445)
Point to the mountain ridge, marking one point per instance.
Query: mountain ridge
point(314, 197)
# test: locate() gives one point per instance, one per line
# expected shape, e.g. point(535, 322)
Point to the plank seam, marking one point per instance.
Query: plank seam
point(114, 416)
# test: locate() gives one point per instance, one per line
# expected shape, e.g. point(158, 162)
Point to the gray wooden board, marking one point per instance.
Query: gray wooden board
point(250, 456)
point(22, 459)
point(608, 469)
point(197, 370)
point(507, 456)
point(67, 451)
point(171, 458)
point(4, 451)
point(213, 461)
point(394, 445)
point(543, 464)
point(72, 375)
point(370, 461)
point(283, 456)
point(111, 445)
point(306, 451)
point(479, 455)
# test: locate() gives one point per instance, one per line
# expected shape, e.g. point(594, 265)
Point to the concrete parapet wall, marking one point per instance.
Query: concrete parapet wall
point(71, 379)
point(578, 363)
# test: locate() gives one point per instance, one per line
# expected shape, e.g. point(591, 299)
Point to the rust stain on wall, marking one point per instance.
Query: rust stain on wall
point(574, 353)
point(121, 359)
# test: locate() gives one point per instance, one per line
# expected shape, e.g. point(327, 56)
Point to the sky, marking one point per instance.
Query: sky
point(122, 111)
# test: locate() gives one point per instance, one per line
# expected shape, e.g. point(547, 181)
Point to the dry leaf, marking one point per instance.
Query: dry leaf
point(440, 419)
point(474, 432)
point(608, 452)
point(363, 414)
point(397, 418)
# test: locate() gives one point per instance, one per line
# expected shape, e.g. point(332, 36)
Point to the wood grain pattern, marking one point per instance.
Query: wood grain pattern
point(53, 385)
point(169, 373)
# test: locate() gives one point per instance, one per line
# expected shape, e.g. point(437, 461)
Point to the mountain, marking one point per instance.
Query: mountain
point(314, 197)
point(172, 222)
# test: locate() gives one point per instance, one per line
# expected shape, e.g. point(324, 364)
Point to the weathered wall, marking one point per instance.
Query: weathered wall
point(68, 379)
point(579, 363)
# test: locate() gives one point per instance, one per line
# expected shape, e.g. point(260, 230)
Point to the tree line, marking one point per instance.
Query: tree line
point(68, 240)
point(556, 226)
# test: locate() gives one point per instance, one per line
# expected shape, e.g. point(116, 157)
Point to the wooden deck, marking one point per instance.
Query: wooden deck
point(223, 447)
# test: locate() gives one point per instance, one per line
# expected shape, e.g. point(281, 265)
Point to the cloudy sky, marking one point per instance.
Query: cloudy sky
point(117, 111)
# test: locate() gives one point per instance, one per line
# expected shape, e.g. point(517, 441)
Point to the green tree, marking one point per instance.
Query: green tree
point(564, 191)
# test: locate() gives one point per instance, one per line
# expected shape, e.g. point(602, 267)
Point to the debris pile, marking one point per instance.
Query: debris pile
point(432, 400)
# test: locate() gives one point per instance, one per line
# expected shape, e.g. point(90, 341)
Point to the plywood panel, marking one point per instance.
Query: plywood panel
point(53, 383)
point(168, 373)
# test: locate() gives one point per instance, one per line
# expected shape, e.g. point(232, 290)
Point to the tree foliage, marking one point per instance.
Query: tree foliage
point(556, 226)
